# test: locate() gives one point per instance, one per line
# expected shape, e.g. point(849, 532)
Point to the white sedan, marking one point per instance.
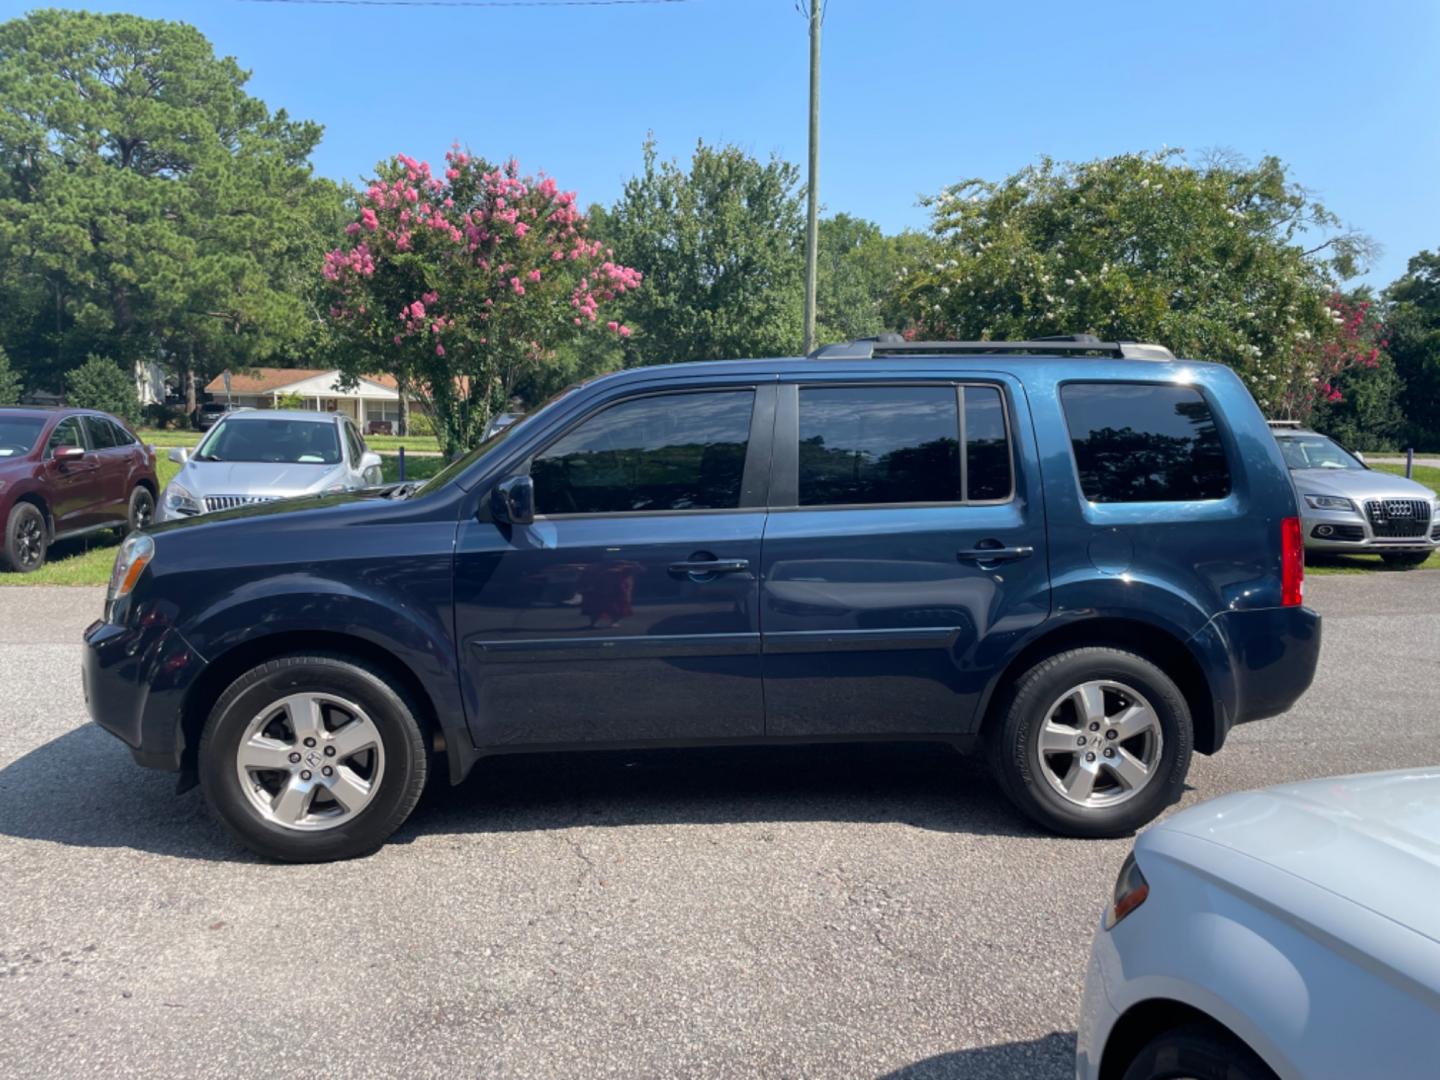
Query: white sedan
point(260, 455)
point(1291, 932)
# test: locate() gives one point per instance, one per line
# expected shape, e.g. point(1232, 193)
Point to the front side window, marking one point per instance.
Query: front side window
point(649, 454)
point(352, 440)
point(277, 441)
point(1144, 443)
point(66, 433)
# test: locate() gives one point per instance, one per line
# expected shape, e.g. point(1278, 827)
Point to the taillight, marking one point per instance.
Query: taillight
point(1131, 889)
point(1292, 562)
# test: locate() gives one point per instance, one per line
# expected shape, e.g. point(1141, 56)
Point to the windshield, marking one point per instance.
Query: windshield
point(18, 434)
point(1316, 452)
point(279, 442)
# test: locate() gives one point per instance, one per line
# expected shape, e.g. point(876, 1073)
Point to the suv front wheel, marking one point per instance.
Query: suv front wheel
point(312, 759)
point(1092, 742)
point(26, 539)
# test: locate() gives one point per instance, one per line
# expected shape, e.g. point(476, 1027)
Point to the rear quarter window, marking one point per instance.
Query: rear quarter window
point(1144, 443)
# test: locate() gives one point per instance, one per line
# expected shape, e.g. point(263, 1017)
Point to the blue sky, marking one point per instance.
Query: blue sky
point(916, 93)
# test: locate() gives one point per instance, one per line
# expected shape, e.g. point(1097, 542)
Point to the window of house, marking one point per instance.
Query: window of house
point(649, 454)
point(1144, 443)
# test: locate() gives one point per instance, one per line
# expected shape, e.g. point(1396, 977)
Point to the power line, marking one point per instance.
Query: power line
point(469, 3)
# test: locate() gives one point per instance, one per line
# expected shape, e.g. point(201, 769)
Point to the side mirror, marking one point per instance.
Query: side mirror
point(370, 460)
point(179, 455)
point(513, 501)
point(68, 453)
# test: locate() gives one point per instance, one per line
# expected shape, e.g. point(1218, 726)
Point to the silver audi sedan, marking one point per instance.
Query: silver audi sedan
point(1346, 506)
point(260, 455)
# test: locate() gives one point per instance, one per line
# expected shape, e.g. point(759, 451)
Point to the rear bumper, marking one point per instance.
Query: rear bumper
point(135, 680)
point(1274, 653)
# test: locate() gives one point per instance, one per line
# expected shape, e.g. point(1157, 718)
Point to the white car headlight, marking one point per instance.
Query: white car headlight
point(180, 500)
point(1329, 502)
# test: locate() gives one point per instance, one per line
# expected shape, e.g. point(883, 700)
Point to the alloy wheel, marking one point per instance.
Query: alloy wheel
point(310, 761)
point(144, 511)
point(29, 542)
point(1100, 744)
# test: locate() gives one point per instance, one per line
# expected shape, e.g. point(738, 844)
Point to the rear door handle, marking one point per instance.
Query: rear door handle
point(994, 554)
point(710, 566)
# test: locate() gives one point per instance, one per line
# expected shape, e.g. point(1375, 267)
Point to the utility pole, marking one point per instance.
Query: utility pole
point(812, 227)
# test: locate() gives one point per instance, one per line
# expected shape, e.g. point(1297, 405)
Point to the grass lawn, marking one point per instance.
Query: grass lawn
point(422, 444)
point(1428, 475)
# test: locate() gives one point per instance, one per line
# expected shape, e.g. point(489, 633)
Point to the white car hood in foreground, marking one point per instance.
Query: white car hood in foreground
point(203, 478)
point(1373, 839)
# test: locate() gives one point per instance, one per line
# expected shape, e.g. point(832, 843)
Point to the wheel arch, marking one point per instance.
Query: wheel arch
point(37, 500)
point(1143, 1022)
point(1157, 644)
point(224, 669)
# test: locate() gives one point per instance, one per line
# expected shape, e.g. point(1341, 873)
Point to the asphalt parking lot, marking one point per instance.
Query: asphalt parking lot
point(791, 912)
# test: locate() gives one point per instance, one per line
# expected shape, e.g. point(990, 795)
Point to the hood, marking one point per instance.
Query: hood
point(256, 478)
point(1357, 484)
point(1373, 839)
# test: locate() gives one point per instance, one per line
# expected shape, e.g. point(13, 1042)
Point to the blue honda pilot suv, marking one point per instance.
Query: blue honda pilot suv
point(1081, 558)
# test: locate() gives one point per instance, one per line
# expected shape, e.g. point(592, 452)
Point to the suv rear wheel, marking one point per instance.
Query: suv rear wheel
point(26, 538)
point(142, 509)
point(1092, 742)
point(311, 759)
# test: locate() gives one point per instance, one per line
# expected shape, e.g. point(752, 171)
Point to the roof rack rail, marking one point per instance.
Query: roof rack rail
point(1079, 344)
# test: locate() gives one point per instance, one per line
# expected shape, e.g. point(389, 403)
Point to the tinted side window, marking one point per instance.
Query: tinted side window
point(666, 452)
point(879, 444)
point(1144, 443)
point(98, 428)
point(66, 433)
point(122, 437)
point(987, 448)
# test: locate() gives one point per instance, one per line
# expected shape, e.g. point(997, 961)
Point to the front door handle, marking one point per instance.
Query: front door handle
point(710, 567)
point(994, 554)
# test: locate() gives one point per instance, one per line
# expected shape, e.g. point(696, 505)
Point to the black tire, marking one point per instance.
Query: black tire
point(27, 539)
point(1015, 759)
point(406, 763)
point(1405, 560)
point(1199, 1051)
point(142, 509)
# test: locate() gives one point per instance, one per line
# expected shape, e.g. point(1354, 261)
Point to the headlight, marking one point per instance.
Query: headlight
point(130, 562)
point(1131, 890)
point(1329, 502)
point(177, 498)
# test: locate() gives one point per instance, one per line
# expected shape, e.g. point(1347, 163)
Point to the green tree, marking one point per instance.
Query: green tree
point(9, 381)
point(1414, 344)
point(860, 271)
point(149, 207)
point(1219, 260)
point(100, 383)
point(721, 247)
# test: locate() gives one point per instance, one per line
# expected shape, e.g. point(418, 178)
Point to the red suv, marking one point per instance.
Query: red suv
point(64, 472)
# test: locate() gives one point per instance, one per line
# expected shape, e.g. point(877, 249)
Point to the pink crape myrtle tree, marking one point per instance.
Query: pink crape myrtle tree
point(455, 283)
point(1356, 338)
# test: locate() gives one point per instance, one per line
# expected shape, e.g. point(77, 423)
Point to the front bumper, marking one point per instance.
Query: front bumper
point(135, 680)
point(1338, 531)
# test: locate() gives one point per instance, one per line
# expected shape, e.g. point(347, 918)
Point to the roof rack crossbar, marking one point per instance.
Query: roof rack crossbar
point(1067, 344)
